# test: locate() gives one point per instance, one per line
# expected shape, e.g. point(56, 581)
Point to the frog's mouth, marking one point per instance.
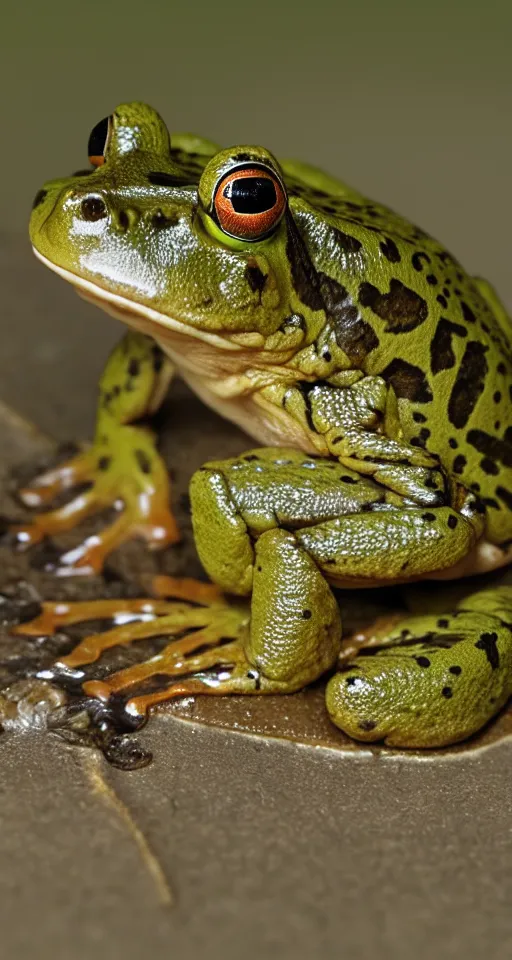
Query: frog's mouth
point(145, 319)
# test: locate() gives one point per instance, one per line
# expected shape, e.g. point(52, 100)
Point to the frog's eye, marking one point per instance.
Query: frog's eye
point(98, 142)
point(249, 203)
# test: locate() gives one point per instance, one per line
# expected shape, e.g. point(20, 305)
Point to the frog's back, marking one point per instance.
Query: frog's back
point(413, 316)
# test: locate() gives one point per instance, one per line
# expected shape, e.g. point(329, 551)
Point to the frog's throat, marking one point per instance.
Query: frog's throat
point(134, 314)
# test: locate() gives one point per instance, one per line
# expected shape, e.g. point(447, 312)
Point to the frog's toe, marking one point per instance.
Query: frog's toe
point(140, 496)
point(442, 683)
point(50, 484)
point(158, 529)
point(205, 653)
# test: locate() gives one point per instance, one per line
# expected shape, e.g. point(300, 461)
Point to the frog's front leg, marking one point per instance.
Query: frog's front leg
point(359, 426)
point(433, 680)
point(123, 466)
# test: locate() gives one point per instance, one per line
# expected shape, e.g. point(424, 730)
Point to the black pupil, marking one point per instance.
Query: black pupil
point(98, 139)
point(251, 194)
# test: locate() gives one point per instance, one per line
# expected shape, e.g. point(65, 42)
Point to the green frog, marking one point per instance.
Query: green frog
point(376, 377)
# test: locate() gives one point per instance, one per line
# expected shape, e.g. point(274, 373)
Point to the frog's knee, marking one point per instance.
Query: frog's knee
point(295, 620)
point(221, 537)
point(429, 694)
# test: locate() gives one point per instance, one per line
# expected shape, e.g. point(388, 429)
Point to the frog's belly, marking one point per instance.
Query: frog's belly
point(271, 427)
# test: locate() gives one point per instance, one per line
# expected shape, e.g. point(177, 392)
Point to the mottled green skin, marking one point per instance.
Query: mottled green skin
point(363, 341)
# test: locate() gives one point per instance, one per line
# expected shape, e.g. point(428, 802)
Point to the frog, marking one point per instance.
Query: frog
point(375, 376)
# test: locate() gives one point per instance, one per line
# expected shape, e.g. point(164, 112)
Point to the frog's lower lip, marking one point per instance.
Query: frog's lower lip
point(133, 313)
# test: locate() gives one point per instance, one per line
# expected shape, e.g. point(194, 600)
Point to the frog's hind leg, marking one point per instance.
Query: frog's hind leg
point(289, 636)
point(123, 467)
point(286, 637)
point(433, 680)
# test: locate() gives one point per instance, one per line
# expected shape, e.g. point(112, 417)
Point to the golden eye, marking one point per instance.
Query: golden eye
point(249, 203)
point(98, 142)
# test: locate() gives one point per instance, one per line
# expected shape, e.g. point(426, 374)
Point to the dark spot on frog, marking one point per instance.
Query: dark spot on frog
point(143, 461)
point(467, 313)
point(390, 250)
point(443, 624)
point(501, 368)
point(162, 221)
point(407, 381)
point(353, 334)
point(428, 517)
point(488, 642)
point(421, 439)
point(422, 662)
point(244, 157)
point(497, 396)
point(459, 463)
point(442, 355)
point(469, 384)
point(304, 275)
point(447, 693)
point(255, 277)
point(417, 259)
point(250, 456)
point(492, 447)
point(158, 358)
point(432, 279)
point(254, 675)
point(346, 479)
point(134, 367)
point(104, 463)
point(345, 242)
point(123, 219)
point(367, 725)
point(452, 521)
point(456, 671)
point(350, 681)
point(402, 309)
point(452, 442)
point(306, 614)
point(442, 300)
point(39, 198)
point(490, 467)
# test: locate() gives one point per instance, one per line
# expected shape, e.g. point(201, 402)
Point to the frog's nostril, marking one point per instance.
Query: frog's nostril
point(93, 208)
point(39, 198)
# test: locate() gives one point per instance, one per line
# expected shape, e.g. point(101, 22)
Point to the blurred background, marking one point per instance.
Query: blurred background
point(409, 101)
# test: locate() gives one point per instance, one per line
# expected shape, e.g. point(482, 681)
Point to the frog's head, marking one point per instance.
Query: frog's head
point(181, 235)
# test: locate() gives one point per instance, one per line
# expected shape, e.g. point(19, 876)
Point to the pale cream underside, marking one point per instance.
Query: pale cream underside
point(217, 369)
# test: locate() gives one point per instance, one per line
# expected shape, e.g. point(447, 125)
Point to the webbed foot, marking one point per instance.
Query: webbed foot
point(134, 481)
point(205, 654)
point(122, 469)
